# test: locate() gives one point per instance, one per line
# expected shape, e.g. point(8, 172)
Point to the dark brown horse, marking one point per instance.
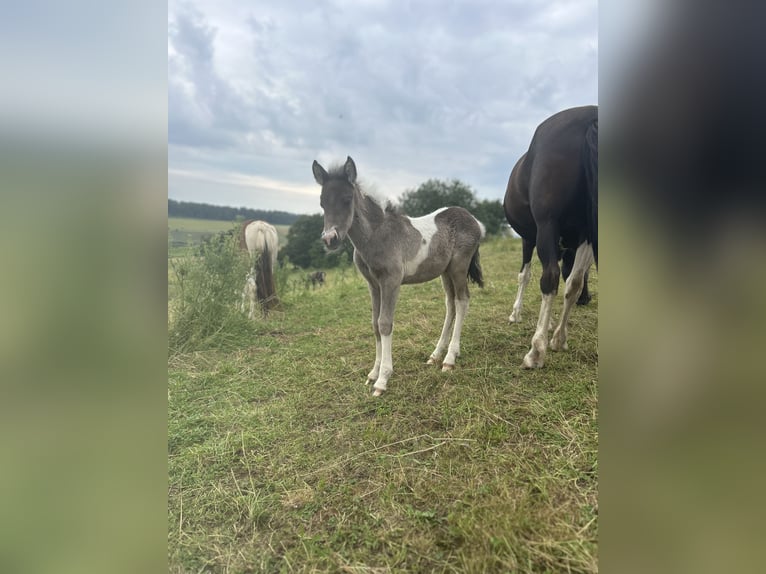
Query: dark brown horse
point(552, 202)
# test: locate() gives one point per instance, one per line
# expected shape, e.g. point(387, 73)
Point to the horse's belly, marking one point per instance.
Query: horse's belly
point(423, 271)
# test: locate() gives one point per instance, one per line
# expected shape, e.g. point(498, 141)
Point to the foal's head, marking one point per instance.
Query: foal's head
point(337, 201)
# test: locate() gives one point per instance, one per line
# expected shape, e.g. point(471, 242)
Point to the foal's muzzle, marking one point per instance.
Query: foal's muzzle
point(331, 238)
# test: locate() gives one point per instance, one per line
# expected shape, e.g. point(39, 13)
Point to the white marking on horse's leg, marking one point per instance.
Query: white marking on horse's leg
point(386, 366)
point(524, 276)
point(575, 281)
point(449, 317)
point(388, 295)
point(535, 358)
point(461, 308)
point(372, 376)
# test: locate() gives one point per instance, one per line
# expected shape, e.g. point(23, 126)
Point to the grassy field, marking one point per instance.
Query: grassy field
point(185, 231)
point(281, 461)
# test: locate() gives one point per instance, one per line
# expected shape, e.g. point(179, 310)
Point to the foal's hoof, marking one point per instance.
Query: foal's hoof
point(432, 361)
point(377, 392)
point(557, 345)
point(514, 318)
point(532, 361)
point(446, 367)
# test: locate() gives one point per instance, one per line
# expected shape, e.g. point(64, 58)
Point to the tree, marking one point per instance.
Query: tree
point(304, 247)
point(491, 214)
point(436, 193)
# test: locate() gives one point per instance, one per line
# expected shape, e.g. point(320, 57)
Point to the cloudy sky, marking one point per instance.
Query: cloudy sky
point(411, 90)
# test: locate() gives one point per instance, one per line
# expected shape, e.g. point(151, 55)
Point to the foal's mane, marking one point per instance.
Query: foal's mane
point(338, 172)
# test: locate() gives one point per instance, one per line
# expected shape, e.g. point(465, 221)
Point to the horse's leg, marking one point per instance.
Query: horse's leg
point(582, 262)
point(567, 263)
point(526, 259)
point(389, 293)
point(547, 251)
point(449, 301)
point(585, 295)
point(374, 288)
point(460, 282)
point(372, 376)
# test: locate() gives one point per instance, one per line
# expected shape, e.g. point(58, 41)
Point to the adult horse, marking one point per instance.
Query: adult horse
point(261, 241)
point(552, 203)
point(391, 249)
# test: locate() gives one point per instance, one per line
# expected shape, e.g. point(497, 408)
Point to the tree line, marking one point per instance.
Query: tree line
point(224, 213)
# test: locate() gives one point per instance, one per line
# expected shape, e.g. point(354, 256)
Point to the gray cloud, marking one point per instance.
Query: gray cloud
point(411, 90)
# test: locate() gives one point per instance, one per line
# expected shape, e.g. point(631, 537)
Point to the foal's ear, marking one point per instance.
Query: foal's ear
point(320, 175)
point(350, 168)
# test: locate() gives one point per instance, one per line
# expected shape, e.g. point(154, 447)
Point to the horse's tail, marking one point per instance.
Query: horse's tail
point(265, 286)
point(590, 169)
point(242, 235)
point(474, 270)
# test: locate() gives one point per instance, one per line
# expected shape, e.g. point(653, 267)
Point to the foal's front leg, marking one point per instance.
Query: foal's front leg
point(372, 376)
point(388, 295)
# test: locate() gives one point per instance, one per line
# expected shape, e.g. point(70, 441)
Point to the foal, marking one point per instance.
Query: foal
point(391, 249)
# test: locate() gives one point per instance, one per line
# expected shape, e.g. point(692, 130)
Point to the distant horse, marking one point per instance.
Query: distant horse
point(262, 243)
point(552, 203)
point(391, 249)
point(316, 278)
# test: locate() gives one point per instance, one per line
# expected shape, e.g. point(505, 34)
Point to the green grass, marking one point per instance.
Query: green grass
point(281, 461)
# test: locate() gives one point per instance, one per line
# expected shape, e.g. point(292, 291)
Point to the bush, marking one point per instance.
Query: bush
point(209, 287)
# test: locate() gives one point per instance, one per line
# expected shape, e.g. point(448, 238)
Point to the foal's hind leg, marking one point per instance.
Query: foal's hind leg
point(547, 251)
point(575, 281)
point(449, 302)
point(526, 259)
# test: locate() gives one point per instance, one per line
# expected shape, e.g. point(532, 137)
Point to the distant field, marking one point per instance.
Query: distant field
point(185, 231)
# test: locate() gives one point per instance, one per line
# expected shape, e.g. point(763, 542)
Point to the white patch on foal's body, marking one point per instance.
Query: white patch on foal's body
point(426, 226)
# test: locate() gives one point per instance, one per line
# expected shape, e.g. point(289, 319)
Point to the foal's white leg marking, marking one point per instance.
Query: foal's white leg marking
point(575, 281)
point(461, 308)
point(372, 376)
point(535, 358)
point(386, 366)
point(426, 226)
point(524, 276)
point(441, 346)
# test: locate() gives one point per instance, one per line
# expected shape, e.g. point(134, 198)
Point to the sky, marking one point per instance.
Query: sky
point(411, 90)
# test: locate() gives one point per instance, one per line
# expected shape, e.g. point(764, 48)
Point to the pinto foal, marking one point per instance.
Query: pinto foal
point(391, 249)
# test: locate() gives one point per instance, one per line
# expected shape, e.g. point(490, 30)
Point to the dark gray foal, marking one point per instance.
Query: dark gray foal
point(391, 249)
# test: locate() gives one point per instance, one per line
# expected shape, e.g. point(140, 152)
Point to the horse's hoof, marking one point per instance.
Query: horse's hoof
point(531, 362)
point(556, 346)
point(446, 367)
point(377, 393)
point(514, 319)
point(431, 361)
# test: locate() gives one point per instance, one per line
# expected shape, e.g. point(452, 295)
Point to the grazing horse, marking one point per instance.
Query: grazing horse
point(316, 278)
point(552, 203)
point(260, 240)
point(391, 249)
